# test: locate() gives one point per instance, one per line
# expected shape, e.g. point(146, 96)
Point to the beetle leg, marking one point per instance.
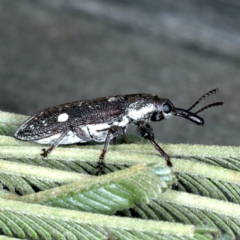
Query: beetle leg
point(54, 145)
point(114, 131)
point(146, 131)
point(114, 141)
point(83, 135)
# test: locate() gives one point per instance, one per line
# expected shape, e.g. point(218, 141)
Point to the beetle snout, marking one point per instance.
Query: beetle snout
point(189, 115)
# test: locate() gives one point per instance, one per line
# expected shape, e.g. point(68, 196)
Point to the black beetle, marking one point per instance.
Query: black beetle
point(103, 119)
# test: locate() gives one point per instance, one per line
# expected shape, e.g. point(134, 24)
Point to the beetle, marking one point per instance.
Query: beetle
point(103, 119)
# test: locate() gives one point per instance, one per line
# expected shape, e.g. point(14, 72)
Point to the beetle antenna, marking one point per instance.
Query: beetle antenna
point(210, 105)
point(203, 97)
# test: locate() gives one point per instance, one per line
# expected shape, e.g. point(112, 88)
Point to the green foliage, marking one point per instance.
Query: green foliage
point(61, 198)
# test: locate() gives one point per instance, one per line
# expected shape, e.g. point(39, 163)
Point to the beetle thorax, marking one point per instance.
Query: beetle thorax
point(138, 112)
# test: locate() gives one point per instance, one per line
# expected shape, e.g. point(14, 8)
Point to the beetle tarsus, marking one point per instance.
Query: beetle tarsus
point(169, 163)
point(46, 152)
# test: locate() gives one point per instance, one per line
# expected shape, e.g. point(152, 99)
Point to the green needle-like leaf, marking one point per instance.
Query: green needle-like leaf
point(194, 177)
point(108, 193)
point(32, 221)
point(25, 179)
point(188, 208)
point(210, 171)
point(10, 122)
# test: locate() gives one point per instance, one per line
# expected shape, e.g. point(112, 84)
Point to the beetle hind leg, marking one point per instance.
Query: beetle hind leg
point(114, 131)
point(46, 152)
point(54, 145)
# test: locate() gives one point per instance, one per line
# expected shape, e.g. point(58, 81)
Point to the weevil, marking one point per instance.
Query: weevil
point(103, 119)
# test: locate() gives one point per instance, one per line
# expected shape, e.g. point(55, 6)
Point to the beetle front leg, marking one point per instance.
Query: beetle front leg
point(114, 131)
point(146, 131)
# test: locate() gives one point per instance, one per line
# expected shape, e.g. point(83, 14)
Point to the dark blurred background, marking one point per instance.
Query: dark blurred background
point(58, 51)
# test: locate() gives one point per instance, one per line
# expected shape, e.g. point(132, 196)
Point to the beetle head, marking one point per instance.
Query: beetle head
point(166, 109)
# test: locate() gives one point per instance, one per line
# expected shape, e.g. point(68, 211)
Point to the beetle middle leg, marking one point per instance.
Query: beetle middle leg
point(114, 131)
point(146, 131)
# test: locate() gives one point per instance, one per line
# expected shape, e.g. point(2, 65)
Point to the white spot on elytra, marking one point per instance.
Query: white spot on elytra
point(63, 117)
point(112, 99)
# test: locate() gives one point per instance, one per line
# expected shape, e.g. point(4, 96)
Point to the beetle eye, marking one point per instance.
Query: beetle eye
point(167, 108)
